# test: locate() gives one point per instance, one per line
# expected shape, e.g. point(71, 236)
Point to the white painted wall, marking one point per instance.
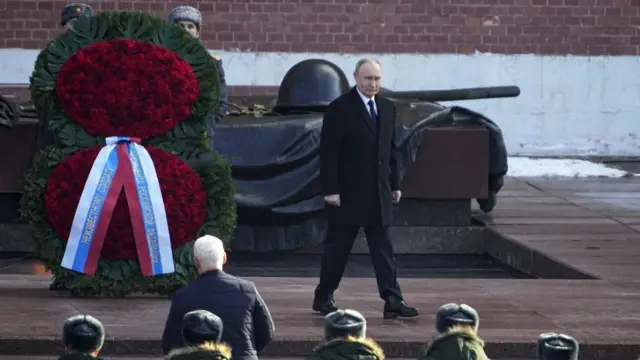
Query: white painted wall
point(569, 106)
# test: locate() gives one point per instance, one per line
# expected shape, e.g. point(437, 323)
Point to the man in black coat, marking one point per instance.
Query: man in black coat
point(360, 179)
point(247, 323)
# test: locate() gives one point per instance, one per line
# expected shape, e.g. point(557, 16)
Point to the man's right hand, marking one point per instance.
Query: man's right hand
point(333, 199)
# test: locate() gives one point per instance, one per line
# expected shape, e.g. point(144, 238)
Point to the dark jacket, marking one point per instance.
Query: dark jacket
point(456, 344)
point(224, 92)
point(223, 101)
point(248, 326)
point(208, 351)
point(348, 349)
point(358, 160)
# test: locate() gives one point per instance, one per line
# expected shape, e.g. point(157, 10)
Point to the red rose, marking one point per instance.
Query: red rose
point(182, 192)
point(126, 88)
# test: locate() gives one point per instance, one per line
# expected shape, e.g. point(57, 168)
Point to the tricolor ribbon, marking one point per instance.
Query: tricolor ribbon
point(122, 163)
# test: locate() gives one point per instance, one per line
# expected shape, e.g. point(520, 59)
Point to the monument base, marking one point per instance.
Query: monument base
point(420, 226)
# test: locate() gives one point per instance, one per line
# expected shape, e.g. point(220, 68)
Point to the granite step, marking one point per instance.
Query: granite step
point(458, 266)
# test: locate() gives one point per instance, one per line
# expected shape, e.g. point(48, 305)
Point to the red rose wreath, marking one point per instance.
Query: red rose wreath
point(147, 94)
point(126, 87)
point(181, 188)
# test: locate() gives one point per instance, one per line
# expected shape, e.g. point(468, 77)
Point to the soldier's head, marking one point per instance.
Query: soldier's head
point(454, 315)
point(209, 254)
point(344, 324)
point(189, 18)
point(554, 346)
point(200, 327)
point(83, 334)
point(70, 13)
point(368, 75)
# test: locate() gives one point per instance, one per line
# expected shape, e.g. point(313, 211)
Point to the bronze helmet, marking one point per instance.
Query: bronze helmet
point(311, 85)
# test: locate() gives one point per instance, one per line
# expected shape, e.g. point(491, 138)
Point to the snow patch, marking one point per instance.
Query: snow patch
point(528, 167)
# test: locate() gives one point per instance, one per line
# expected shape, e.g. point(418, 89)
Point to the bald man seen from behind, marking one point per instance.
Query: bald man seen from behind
point(248, 326)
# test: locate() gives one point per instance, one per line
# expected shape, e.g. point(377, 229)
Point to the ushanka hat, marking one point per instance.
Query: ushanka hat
point(83, 333)
point(343, 323)
point(453, 314)
point(186, 13)
point(200, 326)
point(554, 346)
point(74, 11)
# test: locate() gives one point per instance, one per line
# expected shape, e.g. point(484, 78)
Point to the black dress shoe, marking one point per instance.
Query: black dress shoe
point(394, 308)
point(486, 205)
point(324, 308)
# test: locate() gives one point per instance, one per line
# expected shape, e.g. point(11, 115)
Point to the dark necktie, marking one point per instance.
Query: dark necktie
point(372, 112)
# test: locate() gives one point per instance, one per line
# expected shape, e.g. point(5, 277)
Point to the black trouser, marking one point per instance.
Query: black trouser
point(337, 246)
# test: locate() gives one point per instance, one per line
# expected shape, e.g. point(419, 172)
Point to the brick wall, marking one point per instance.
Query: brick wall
point(434, 26)
point(578, 27)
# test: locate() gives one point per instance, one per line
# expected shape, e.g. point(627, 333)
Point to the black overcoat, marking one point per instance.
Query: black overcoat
point(358, 160)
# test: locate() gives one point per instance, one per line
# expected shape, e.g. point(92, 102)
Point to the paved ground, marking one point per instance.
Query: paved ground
point(593, 225)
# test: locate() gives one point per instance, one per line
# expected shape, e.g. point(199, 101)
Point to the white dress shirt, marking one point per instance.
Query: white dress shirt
point(366, 99)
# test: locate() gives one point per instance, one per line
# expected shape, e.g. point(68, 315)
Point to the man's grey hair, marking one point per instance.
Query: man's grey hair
point(366, 61)
point(209, 251)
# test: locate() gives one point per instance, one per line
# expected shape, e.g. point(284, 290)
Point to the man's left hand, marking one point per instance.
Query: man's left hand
point(395, 196)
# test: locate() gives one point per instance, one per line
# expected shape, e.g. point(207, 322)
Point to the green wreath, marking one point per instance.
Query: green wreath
point(186, 140)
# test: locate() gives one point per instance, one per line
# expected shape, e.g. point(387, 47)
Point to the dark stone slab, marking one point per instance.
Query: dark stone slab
point(409, 266)
point(451, 162)
point(270, 239)
point(425, 240)
point(9, 205)
point(311, 231)
point(460, 266)
point(528, 260)
point(440, 212)
point(20, 142)
point(441, 215)
point(15, 238)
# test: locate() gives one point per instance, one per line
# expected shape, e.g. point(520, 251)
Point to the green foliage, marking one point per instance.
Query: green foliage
point(39, 95)
point(129, 25)
point(118, 277)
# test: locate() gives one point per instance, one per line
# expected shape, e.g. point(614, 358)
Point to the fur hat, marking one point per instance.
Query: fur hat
point(83, 333)
point(186, 13)
point(452, 313)
point(342, 323)
point(74, 11)
point(554, 346)
point(200, 326)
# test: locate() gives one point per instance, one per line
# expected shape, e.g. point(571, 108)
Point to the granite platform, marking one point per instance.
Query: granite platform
point(579, 238)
